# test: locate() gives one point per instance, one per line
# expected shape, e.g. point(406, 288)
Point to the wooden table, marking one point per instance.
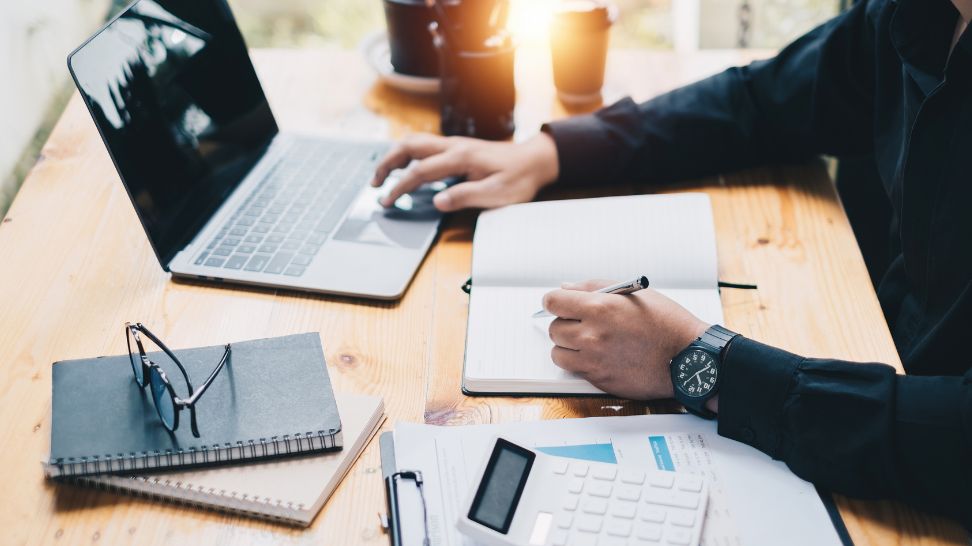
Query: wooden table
point(74, 265)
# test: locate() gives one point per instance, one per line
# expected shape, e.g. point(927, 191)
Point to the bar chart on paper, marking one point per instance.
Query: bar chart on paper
point(601, 453)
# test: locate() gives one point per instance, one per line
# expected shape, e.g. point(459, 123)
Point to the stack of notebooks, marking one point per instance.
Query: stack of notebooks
point(274, 441)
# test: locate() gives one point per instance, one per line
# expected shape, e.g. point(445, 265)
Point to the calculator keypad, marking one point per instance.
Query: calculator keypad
point(606, 505)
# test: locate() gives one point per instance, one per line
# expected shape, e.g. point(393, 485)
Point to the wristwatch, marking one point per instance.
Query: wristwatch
point(695, 370)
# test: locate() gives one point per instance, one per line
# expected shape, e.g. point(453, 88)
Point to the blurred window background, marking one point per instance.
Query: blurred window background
point(663, 24)
point(35, 38)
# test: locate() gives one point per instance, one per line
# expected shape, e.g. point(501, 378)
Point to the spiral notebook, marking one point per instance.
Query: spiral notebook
point(273, 399)
point(290, 490)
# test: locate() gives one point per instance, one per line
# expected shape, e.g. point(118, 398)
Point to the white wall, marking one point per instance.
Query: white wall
point(35, 38)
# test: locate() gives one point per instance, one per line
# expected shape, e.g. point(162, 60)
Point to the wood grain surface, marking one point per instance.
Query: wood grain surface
point(75, 264)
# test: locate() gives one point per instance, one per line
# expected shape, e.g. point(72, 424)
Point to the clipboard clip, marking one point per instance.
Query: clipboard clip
point(392, 522)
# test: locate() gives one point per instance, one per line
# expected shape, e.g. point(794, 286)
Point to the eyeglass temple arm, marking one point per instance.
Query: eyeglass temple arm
point(167, 351)
point(209, 380)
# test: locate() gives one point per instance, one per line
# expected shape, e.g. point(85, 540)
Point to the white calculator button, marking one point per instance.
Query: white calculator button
point(690, 483)
point(590, 524)
point(595, 506)
point(600, 489)
point(583, 539)
point(570, 503)
point(671, 498)
point(629, 493)
point(683, 519)
point(580, 469)
point(611, 541)
point(648, 531)
point(605, 473)
point(564, 521)
point(662, 479)
point(653, 515)
point(618, 528)
point(678, 536)
point(560, 467)
point(633, 476)
point(624, 510)
point(576, 485)
point(559, 538)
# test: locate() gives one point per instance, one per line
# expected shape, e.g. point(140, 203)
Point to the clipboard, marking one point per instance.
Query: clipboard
point(406, 516)
point(406, 520)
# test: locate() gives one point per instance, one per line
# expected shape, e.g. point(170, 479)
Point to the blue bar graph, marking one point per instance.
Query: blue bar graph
point(602, 453)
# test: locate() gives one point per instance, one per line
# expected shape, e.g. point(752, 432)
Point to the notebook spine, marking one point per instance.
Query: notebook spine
point(263, 448)
point(187, 494)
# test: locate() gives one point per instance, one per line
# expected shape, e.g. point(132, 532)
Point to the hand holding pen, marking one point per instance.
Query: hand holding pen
point(621, 288)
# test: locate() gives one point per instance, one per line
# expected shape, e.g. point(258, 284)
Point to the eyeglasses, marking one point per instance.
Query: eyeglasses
point(167, 404)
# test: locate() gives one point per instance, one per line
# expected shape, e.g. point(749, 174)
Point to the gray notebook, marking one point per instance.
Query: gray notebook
point(273, 399)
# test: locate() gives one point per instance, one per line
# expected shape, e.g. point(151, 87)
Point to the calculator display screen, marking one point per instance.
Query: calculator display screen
point(503, 483)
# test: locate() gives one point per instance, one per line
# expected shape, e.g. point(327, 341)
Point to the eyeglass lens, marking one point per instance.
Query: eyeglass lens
point(163, 398)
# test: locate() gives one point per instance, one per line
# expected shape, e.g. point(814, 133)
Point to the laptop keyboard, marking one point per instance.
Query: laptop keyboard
point(283, 223)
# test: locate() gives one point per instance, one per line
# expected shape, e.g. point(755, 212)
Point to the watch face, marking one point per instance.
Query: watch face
point(695, 373)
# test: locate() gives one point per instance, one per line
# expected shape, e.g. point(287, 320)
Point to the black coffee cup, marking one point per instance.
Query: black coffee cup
point(473, 22)
point(409, 39)
point(477, 94)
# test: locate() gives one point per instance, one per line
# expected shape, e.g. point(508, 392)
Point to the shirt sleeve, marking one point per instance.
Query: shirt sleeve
point(856, 429)
point(814, 97)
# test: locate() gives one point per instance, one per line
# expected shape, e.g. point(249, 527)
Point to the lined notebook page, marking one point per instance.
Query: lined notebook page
point(509, 351)
point(668, 238)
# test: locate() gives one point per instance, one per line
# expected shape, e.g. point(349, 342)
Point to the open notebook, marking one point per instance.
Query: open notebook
point(291, 490)
point(521, 252)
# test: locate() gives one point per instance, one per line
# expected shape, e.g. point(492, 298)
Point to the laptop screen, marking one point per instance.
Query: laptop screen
point(171, 88)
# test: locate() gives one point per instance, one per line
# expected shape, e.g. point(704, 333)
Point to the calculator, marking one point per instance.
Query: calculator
point(526, 497)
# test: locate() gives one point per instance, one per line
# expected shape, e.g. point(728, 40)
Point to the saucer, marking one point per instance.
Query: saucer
point(378, 54)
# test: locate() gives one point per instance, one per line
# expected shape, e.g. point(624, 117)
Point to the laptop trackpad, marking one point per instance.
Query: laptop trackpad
point(370, 223)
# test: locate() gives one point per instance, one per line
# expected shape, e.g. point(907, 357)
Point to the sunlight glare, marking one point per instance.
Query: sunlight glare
point(529, 20)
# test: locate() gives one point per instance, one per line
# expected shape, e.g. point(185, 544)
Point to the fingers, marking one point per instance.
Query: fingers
point(418, 146)
point(569, 304)
point(566, 333)
point(479, 194)
point(567, 359)
point(430, 169)
point(587, 286)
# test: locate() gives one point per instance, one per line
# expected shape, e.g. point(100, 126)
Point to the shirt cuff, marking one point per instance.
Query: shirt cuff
point(755, 379)
point(591, 147)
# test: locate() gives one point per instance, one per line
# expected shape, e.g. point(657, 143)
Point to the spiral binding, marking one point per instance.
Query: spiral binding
point(198, 496)
point(275, 446)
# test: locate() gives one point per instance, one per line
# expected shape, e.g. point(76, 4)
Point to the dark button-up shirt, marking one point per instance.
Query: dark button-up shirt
point(877, 82)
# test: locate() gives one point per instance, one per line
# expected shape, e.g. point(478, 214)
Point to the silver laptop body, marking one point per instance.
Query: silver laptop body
point(222, 194)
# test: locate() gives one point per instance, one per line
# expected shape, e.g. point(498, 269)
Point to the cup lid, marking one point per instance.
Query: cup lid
point(585, 14)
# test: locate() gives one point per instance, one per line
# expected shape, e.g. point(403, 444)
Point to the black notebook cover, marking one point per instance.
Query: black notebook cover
point(273, 398)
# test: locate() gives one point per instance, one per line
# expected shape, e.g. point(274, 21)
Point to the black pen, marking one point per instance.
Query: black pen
point(621, 288)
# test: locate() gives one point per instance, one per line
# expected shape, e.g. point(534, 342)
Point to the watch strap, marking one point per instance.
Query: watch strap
point(716, 337)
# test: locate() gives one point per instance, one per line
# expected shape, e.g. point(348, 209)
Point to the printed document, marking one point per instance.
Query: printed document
point(754, 500)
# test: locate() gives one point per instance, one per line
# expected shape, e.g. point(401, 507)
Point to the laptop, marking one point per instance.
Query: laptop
point(222, 194)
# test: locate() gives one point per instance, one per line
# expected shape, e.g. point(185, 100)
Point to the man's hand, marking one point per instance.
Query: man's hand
point(497, 173)
point(621, 344)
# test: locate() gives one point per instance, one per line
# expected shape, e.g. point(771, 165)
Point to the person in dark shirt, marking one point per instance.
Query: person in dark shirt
point(887, 84)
